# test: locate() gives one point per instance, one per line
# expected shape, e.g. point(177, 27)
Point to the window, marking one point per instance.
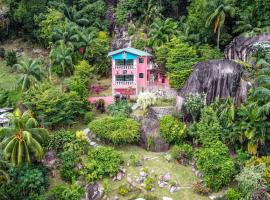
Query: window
point(141, 60)
point(141, 75)
point(124, 62)
point(124, 78)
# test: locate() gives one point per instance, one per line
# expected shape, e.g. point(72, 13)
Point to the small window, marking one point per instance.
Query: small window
point(140, 75)
point(141, 60)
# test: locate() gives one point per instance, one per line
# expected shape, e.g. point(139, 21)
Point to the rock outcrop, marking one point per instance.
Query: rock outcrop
point(241, 47)
point(216, 79)
point(150, 138)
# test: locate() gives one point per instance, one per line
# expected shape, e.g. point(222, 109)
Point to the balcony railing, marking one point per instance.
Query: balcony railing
point(150, 66)
point(124, 67)
point(124, 82)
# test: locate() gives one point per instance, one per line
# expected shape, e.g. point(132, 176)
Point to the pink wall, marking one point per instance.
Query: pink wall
point(142, 68)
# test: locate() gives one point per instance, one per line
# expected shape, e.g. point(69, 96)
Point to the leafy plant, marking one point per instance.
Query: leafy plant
point(194, 104)
point(146, 99)
point(118, 131)
point(101, 162)
point(232, 194)
point(2, 52)
point(215, 164)
point(182, 153)
point(21, 138)
point(123, 191)
point(88, 117)
point(11, 58)
point(172, 130)
point(201, 188)
point(120, 109)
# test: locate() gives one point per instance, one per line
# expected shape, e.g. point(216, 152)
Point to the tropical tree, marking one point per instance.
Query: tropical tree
point(31, 73)
point(86, 39)
point(61, 59)
point(161, 31)
point(22, 140)
point(218, 18)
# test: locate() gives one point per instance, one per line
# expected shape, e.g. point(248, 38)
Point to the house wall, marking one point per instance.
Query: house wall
point(142, 68)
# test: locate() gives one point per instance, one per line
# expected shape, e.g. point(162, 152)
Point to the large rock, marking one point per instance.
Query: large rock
point(241, 47)
point(150, 137)
point(93, 192)
point(216, 79)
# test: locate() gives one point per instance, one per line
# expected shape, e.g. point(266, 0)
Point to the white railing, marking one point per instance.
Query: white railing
point(150, 66)
point(124, 67)
point(124, 82)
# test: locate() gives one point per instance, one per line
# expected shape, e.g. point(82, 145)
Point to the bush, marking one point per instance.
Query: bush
point(2, 52)
point(194, 104)
point(100, 105)
point(9, 98)
point(182, 153)
point(120, 109)
point(58, 140)
point(88, 117)
point(66, 192)
point(123, 191)
point(232, 194)
point(208, 128)
point(172, 130)
point(215, 164)
point(11, 58)
point(101, 162)
point(149, 183)
point(146, 99)
point(117, 131)
point(200, 188)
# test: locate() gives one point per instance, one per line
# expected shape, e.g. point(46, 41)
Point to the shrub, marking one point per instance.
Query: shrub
point(120, 109)
point(215, 164)
point(100, 105)
point(232, 194)
point(193, 104)
point(200, 188)
point(208, 128)
point(101, 162)
point(2, 52)
point(9, 98)
point(66, 192)
point(172, 130)
point(251, 179)
point(117, 131)
point(88, 117)
point(146, 99)
point(123, 191)
point(11, 58)
point(149, 183)
point(58, 140)
point(182, 153)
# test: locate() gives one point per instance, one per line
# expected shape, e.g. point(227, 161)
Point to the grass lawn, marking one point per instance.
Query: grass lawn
point(157, 162)
point(7, 79)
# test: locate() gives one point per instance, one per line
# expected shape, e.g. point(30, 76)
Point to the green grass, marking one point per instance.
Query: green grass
point(165, 102)
point(157, 162)
point(7, 79)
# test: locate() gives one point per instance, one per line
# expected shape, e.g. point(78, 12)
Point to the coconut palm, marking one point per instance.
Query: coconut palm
point(161, 31)
point(61, 59)
point(22, 140)
point(31, 73)
point(218, 18)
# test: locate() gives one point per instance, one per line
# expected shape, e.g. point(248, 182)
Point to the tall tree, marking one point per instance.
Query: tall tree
point(22, 140)
point(218, 18)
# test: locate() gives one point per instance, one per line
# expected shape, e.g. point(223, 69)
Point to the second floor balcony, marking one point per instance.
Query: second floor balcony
point(124, 64)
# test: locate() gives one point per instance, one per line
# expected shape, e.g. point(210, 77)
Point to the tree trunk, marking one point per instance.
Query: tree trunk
point(218, 37)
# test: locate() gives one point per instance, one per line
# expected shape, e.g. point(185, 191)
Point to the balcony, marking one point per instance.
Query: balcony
point(126, 83)
point(150, 66)
point(124, 67)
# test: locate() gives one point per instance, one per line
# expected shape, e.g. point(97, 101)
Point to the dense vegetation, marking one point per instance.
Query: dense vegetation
point(229, 144)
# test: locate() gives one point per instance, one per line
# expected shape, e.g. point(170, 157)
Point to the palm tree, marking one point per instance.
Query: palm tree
point(86, 39)
point(218, 18)
point(161, 31)
point(61, 59)
point(21, 142)
point(31, 73)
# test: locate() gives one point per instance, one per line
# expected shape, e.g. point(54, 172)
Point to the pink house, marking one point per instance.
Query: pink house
point(133, 72)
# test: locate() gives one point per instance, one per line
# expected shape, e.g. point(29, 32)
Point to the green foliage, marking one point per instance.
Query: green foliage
point(115, 130)
point(11, 58)
point(121, 11)
point(207, 52)
point(123, 191)
point(182, 153)
point(2, 52)
point(172, 130)
point(215, 164)
point(89, 117)
point(22, 141)
point(208, 128)
point(58, 140)
point(101, 162)
point(193, 105)
point(149, 183)
point(232, 194)
point(66, 192)
point(9, 98)
point(25, 181)
point(120, 109)
point(53, 107)
point(146, 99)
point(201, 188)
point(251, 179)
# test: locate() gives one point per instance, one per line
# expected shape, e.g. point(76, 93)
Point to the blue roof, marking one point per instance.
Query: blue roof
point(130, 50)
